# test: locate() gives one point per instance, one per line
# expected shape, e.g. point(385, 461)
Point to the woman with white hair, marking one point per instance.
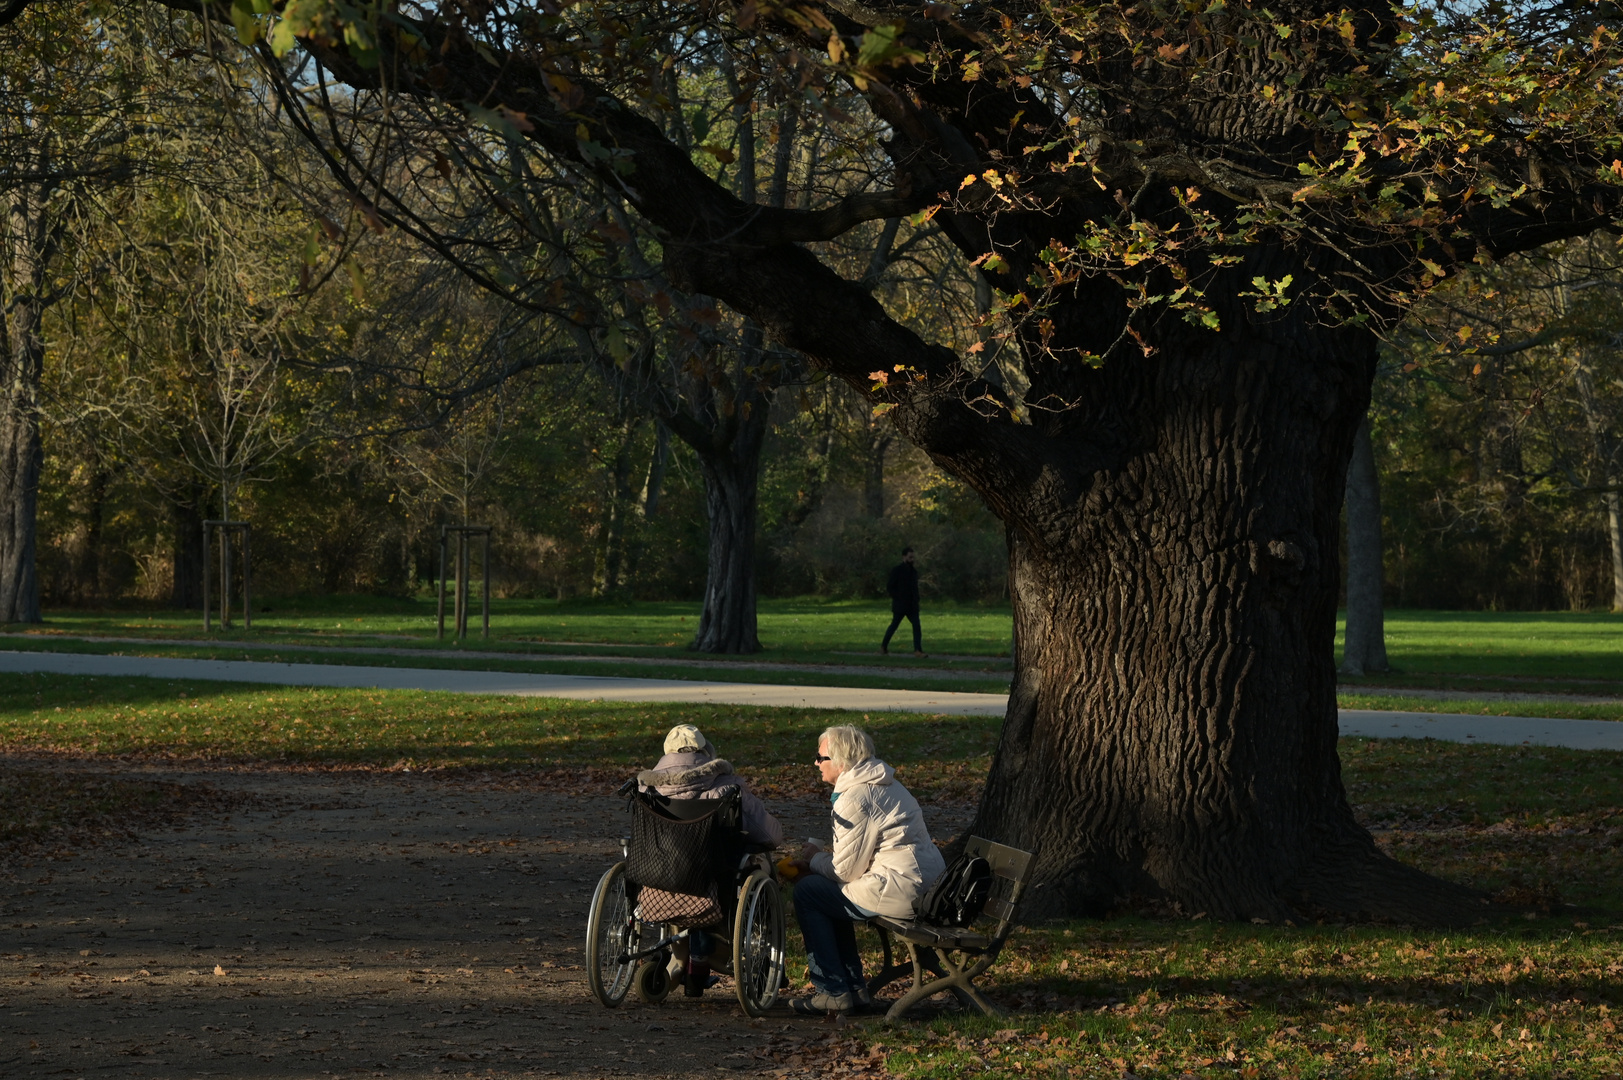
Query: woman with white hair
point(881, 860)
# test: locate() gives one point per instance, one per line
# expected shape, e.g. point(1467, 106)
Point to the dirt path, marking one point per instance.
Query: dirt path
point(348, 923)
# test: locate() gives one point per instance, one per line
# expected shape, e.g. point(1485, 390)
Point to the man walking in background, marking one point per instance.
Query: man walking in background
point(903, 586)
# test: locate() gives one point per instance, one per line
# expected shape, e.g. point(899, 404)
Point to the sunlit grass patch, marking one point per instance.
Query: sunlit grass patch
point(1569, 710)
point(209, 721)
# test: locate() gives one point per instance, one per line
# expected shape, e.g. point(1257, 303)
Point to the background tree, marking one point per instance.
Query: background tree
point(74, 89)
point(1500, 434)
point(1364, 641)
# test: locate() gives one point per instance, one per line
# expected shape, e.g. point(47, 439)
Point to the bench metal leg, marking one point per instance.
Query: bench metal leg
point(891, 970)
point(956, 978)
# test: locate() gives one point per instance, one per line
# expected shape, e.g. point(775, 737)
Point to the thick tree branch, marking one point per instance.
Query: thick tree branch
point(11, 10)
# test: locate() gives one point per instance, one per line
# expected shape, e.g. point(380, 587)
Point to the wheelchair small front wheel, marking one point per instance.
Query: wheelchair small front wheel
point(653, 980)
point(611, 932)
point(758, 943)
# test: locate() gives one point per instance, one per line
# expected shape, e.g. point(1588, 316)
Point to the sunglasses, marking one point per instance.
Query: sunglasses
point(820, 758)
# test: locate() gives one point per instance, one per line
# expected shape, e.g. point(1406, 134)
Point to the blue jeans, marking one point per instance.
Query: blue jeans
point(896, 620)
point(827, 922)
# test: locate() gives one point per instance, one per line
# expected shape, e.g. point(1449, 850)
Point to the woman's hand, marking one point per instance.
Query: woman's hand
point(807, 850)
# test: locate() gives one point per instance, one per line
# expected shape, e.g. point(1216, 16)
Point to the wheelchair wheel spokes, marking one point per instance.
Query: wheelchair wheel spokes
point(611, 932)
point(758, 944)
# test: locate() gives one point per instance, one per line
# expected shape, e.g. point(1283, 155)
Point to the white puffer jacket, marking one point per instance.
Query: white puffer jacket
point(882, 854)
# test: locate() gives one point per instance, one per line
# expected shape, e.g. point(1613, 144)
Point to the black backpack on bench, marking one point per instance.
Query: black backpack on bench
point(959, 895)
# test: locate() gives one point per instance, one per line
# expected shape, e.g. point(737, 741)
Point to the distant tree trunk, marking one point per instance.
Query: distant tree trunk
point(728, 444)
point(653, 484)
point(21, 458)
point(90, 560)
point(647, 500)
point(1365, 646)
point(815, 475)
point(873, 475)
point(727, 624)
point(29, 247)
point(1606, 452)
point(617, 521)
point(186, 591)
point(1614, 529)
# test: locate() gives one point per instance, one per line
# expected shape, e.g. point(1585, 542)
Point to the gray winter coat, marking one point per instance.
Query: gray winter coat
point(700, 775)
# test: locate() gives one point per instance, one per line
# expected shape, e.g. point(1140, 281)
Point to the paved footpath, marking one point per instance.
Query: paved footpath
point(1511, 730)
point(578, 687)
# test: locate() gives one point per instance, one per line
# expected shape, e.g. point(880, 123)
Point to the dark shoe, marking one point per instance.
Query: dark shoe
point(884, 650)
point(821, 1004)
point(696, 978)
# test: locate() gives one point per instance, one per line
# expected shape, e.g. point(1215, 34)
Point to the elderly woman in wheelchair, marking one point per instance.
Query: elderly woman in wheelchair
point(695, 876)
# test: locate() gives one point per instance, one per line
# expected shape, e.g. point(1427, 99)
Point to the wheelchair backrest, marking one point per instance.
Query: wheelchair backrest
point(690, 846)
point(685, 809)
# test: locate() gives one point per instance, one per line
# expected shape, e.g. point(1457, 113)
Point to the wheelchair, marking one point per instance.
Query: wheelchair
point(696, 850)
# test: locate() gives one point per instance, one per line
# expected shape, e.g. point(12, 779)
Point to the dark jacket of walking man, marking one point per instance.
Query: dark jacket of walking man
point(903, 586)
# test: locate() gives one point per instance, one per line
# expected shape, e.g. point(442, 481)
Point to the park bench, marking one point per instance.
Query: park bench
point(955, 955)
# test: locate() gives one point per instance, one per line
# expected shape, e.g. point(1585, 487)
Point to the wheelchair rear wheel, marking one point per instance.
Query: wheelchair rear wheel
point(611, 932)
point(758, 943)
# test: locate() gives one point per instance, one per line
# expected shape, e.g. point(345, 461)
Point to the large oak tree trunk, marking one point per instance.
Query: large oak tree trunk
point(1364, 647)
point(1171, 731)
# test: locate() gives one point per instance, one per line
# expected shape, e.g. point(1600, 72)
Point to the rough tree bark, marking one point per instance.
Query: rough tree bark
point(1172, 726)
point(1172, 514)
point(1364, 647)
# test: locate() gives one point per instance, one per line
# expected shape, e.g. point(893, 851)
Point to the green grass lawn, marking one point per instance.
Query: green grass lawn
point(1481, 650)
point(1530, 993)
point(1557, 646)
point(814, 631)
point(1351, 698)
point(595, 743)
